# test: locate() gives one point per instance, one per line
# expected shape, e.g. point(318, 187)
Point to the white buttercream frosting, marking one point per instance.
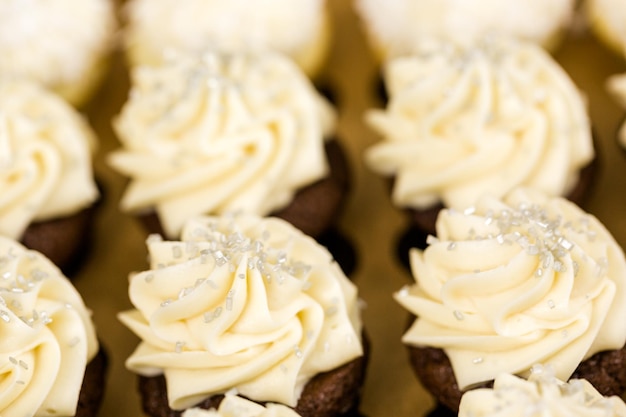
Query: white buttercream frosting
point(541, 395)
point(234, 406)
point(211, 133)
point(514, 282)
point(244, 303)
point(298, 29)
point(462, 122)
point(46, 149)
point(616, 86)
point(606, 18)
point(47, 336)
point(397, 27)
point(56, 43)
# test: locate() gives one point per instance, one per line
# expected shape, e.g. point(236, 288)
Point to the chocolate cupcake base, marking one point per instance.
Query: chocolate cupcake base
point(92, 389)
point(65, 241)
point(335, 393)
point(606, 371)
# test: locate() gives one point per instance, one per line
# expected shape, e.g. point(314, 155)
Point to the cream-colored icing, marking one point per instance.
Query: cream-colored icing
point(606, 18)
point(542, 395)
point(234, 406)
point(47, 336)
point(244, 303)
point(462, 122)
point(55, 43)
point(514, 282)
point(213, 133)
point(399, 26)
point(298, 29)
point(45, 157)
point(616, 86)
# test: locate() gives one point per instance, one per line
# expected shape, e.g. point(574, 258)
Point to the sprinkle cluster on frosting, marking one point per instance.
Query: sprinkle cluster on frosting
point(55, 43)
point(296, 29)
point(541, 395)
point(513, 282)
point(241, 302)
point(45, 157)
point(235, 406)
point(397, 28)
point(217, 132)
point(462, 122)
point(47, 336)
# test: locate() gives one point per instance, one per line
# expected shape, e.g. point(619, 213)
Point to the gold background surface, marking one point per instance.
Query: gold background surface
point(369, 220)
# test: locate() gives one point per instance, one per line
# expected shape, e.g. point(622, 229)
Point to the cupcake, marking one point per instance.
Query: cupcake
point(219, 132)
point(50, 357)
point(464, 121)
point(509, 283)
point(245, 303)
point(46, 177)
point(397, 27)
point(606, 20)
point(300, 29)
point(63, 45)
point(616, 86)
point(235, 406)
point(540, 395)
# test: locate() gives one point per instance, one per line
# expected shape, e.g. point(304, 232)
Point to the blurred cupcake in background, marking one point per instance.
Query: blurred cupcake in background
point(297, 29)
point(463, 121)
point(221, 132)
point(607, 18)
point(47, 189)
point(396, 27)
point(63, 45)
point(51, 361)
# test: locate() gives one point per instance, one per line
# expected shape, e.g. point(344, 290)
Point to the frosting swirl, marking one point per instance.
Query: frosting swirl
point(397, 28)
point(47, 336)
point(55, 43)
point(45, 157)
point(216, 133)
point(234, 406)
point(297, 29)
point(540, 395)
point(241, 303)
point(513, 282)
point(463, 122)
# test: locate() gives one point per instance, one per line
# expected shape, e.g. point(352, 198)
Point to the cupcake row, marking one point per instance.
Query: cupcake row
point(239, 306)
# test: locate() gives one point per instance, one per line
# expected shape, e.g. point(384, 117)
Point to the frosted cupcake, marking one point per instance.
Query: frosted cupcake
point(49, 355)
point(63, 45)
point(488, 118)
point(299, 29)
point(542, 394)
point(47, 186)
point(214, 133)
point(606, 19)
point(245, 303)
point(234, 406)
point(512, 282)
point(396, 27)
